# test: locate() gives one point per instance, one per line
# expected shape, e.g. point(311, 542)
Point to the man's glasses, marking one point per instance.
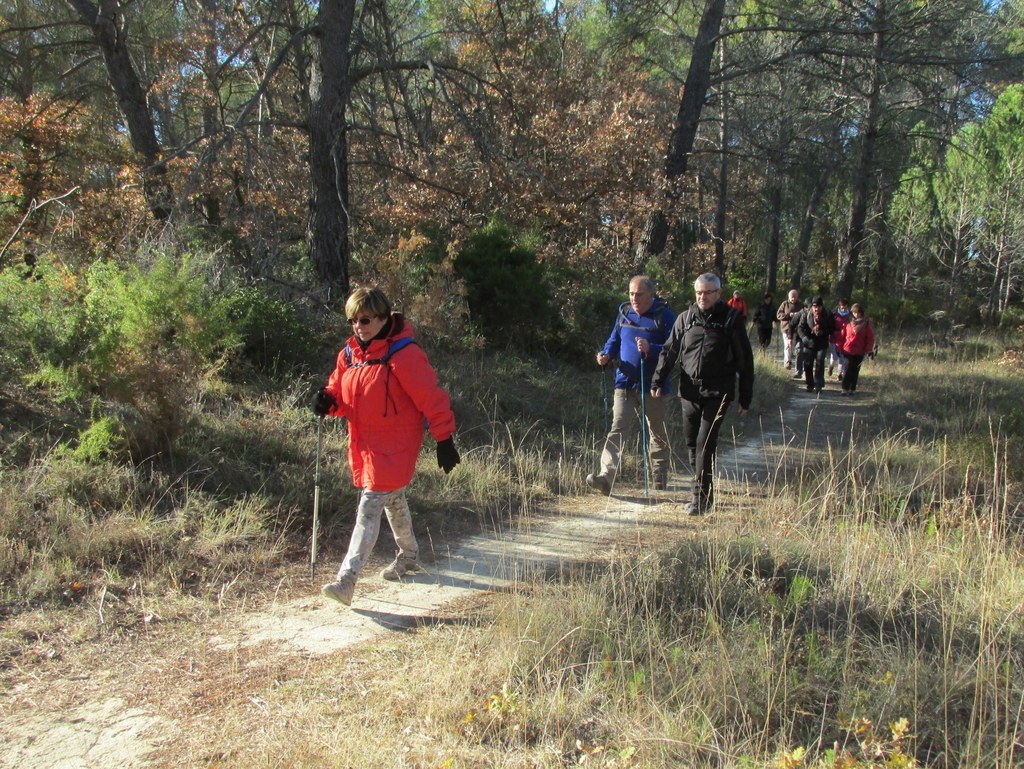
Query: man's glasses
point(360, 321)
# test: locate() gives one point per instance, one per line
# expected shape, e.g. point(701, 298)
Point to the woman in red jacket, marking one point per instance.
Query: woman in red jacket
point(858, 341)
point(386, 388)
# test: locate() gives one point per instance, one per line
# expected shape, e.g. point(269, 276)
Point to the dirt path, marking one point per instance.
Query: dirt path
point(120, 707)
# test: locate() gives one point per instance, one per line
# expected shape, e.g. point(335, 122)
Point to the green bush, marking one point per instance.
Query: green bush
point(136, 340)
point(102, 439)
point(506, 288)
point(588, 313)
point(43, 318)
point(271, 332)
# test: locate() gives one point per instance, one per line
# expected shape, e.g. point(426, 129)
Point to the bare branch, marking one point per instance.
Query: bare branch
point(32, 208)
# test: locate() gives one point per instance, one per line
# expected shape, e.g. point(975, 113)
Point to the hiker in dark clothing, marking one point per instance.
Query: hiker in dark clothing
point(711, 344)
point(764, 320)
point(815, 331)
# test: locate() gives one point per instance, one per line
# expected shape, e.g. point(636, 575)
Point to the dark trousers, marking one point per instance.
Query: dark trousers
point(852, 372)
point(764, 337)
point(814, 367)
point(702, 421)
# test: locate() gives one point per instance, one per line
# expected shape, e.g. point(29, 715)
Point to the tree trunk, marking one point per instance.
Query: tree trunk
point(774, 238)
point(721, 213)
point(108, 28)
point(803, 245)
point(652, 240)
point(330, 86)
point(866, 165)
point(698, 79)
point(209, 201)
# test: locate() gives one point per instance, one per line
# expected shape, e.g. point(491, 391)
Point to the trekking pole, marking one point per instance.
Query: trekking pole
point(604, 396)
point(643, 423)
point(316, 499)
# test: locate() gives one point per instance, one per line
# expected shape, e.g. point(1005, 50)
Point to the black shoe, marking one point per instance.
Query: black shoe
point(599, 483)
point(810, 388)
point(798, 375)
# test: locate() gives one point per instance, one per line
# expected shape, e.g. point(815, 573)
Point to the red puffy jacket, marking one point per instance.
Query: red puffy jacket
point(858, 337)
point(386, 405)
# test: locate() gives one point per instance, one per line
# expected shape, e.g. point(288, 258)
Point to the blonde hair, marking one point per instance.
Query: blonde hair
point(370, 300)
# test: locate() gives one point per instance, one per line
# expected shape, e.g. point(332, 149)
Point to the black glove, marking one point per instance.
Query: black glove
point(447, 455)
point(323, 402)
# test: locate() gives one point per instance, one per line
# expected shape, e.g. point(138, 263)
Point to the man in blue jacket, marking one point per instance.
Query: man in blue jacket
point(640, 330)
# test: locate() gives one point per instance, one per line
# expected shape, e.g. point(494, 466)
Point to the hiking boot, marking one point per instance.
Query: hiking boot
point(599, 483)
point(693, 508)
point(340, 591)
point(402, 565)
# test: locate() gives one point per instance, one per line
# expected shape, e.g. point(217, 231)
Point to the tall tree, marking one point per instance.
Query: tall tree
point(684, 131)
point(109, 28)
point(330, 87)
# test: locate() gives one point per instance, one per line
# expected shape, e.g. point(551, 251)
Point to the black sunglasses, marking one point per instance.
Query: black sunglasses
point(360, 321)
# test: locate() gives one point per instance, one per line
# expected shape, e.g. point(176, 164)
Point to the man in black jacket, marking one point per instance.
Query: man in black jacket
point(815, 330)
point(711, 343)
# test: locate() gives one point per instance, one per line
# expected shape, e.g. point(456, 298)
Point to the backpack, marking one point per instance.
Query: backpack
point(622, 320)
point(692, 319)
point(392, 349)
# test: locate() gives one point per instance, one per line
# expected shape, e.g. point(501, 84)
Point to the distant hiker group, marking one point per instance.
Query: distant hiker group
point(811, 334)
point(709, 342)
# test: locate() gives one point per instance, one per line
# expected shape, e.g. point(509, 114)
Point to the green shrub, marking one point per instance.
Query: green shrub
point(508, 294)
point(136, 340)
point(271, 332)
point(43, 318)
point(103, 439)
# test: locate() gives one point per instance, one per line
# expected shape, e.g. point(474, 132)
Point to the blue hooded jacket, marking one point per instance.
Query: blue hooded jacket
point(654, 326)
